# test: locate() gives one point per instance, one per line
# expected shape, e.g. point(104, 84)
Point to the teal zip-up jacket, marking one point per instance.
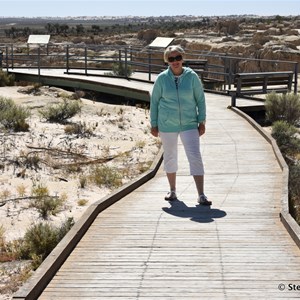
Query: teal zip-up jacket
point(177, 107)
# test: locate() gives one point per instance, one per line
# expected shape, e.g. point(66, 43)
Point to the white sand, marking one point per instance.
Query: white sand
point(116, 130)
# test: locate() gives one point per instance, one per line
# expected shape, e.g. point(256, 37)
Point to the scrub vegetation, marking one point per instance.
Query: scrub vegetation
point(283, 111)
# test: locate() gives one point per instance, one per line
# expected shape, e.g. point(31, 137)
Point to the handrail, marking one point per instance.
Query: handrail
point(221, 68)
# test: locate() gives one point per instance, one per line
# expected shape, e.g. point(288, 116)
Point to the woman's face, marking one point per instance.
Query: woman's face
point(175, 61)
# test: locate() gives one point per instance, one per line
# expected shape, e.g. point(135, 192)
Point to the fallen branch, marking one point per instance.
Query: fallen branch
point(3, 202)
point(59, 151)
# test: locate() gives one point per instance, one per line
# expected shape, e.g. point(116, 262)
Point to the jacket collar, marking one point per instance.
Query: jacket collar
point(171, 74)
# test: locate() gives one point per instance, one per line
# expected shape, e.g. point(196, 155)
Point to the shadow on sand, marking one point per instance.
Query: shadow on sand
point(199, 213)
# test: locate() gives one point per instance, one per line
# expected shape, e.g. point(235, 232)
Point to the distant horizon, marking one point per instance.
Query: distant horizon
point(138, 16)
point(154, 8)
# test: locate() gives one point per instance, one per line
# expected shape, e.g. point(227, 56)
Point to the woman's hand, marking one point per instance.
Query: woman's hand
point(201, 129)
point(154, 131)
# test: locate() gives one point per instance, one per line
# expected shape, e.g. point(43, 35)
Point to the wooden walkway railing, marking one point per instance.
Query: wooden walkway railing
point(247, 84)
point(217, 70)
point(142, 247)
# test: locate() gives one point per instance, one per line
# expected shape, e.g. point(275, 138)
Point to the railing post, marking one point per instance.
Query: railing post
point(120, 62)
point(12, 56)
point(1, 58)
point(296, 78)
point(39, 63)
point(6, 57)
point(230, 73)
point(85, 60)
point(67, 59)
point(126, 64)
point(233, 98)
point(149, 64)
point(130, 52)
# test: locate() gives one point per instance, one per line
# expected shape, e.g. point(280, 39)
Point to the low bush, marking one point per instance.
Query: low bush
point(106, 176)
point(283, 107)
point(285, 135)
point(80, 129)
point(12, 116)
point(6, 79)
point(118, 69)
point(294, 191)
point(61, 112)
point(284, 112)
point(40, 239)
point(9, 251)
point(82, 202)
point(45, 204)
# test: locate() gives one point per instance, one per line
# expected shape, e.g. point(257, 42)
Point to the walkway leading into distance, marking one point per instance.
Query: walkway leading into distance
point(143, 247)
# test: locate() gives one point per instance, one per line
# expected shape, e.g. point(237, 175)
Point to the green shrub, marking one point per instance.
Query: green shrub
point(64, 228)
point(80, 129)
point(294, 191)
point(61, 112)
point(82, 202)
point(106, 176)
point(12, 116)
point(6, 79)
point(118, 69)
point(40, 239)
point(286, 139)
point(283, 107)
point(44, 203)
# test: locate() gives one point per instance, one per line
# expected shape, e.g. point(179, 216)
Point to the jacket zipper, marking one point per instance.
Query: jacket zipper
point(179, 104)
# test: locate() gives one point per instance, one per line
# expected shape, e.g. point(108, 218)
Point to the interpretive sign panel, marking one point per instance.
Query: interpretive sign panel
point(38, 39)
point(161, 42)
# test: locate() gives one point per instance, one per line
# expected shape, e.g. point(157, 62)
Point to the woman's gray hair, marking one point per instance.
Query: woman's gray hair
point(171, 49)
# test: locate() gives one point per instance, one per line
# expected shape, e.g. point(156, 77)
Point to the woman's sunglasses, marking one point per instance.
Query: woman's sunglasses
point(175, 58)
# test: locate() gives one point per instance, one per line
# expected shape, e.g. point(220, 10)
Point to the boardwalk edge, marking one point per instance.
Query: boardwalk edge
point(32, 289)
point(288, 221)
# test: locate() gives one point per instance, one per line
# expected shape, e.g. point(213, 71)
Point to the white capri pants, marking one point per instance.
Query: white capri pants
point(191, 142)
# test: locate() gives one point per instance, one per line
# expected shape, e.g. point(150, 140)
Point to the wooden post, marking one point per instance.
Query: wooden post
point(126, 64)
point(39, 63)
point(85, 60)
point(233, 98)
point(149, 64)
point(1, 58)
point(296, 79)
point(67, 59)
point(120, 61)
point(12, 56)
point(6, 58)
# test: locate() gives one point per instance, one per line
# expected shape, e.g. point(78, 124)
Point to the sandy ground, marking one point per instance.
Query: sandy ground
point(121, 131)
point(118, 131)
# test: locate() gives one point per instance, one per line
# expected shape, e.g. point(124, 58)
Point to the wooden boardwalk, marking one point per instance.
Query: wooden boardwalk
point(142, 247)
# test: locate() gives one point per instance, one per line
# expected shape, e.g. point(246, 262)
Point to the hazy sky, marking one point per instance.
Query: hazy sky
point(53, 8)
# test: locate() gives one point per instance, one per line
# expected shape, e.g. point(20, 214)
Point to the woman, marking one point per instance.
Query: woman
point(178, 109)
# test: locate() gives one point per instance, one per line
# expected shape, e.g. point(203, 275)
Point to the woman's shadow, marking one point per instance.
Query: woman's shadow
point(199, 213)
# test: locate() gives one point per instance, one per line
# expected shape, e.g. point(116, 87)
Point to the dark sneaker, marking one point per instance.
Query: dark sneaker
point(171, 196)
point(202, 200)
